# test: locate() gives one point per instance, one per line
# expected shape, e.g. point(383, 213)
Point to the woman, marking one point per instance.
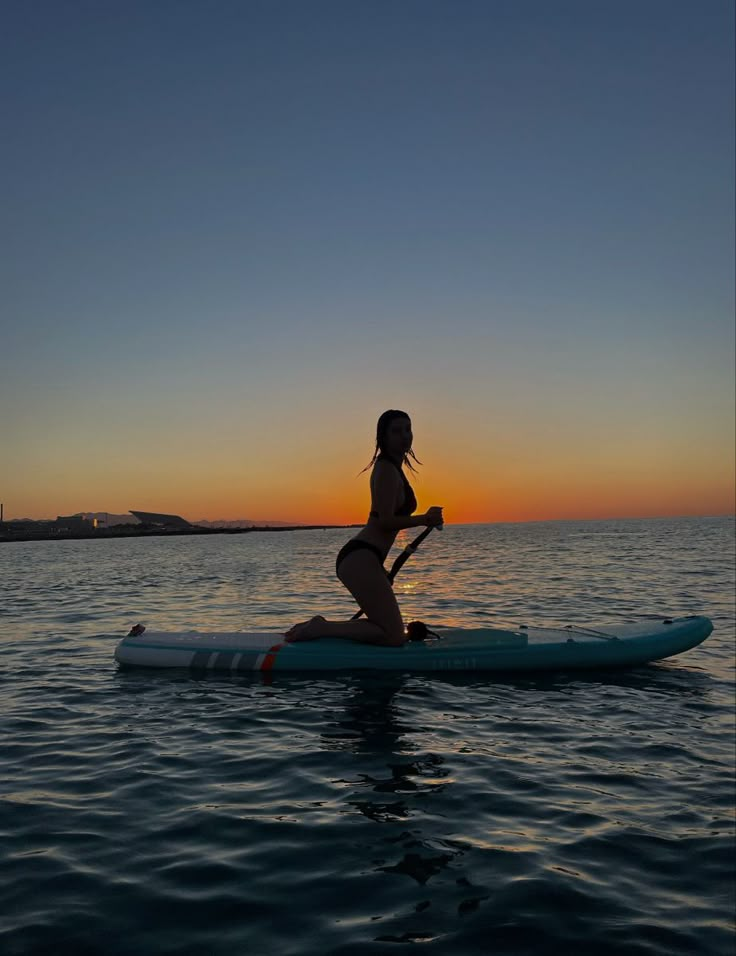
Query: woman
point(359, 564)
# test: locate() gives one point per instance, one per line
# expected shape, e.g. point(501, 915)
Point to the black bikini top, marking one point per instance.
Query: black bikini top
point(410, 501)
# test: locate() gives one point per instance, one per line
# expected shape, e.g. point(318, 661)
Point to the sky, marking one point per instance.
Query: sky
point(233, 233)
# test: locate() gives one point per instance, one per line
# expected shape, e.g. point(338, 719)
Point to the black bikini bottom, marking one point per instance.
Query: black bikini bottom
point(356, 544)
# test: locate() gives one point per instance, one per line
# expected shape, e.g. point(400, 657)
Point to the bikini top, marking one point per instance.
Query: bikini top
point(410, 501)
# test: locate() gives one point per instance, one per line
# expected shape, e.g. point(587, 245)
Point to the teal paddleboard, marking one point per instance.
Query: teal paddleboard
point(488, 649)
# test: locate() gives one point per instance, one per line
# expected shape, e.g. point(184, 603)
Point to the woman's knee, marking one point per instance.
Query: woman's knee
point(395, 635)
point(390, 622)
point(386, 615)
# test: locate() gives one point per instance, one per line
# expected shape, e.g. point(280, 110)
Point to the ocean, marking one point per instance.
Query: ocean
point(166, 813)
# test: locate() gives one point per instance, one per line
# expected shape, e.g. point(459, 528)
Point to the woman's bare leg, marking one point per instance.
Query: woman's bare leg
point(362, 631)
point(366, 580)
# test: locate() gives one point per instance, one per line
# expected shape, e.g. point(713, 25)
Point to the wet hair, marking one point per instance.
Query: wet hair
point(381, 430)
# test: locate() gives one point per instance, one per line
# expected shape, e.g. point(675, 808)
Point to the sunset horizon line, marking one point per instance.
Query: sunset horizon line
point(337, 523)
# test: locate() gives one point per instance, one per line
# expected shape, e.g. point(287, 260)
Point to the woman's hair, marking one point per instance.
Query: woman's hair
point(381, 428)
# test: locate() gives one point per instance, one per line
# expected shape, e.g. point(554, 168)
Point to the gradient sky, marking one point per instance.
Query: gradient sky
point(235, 232)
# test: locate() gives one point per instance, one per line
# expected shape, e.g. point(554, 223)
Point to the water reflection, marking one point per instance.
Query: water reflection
point(370, 721)
point(404, 786)
point(370, 725)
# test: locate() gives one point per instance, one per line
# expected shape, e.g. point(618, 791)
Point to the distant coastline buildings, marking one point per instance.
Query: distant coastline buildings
point(86, 523)
point(161, 521)
point(102, 524)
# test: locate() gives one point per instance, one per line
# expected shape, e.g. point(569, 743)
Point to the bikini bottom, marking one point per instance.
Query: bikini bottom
point(356, 544)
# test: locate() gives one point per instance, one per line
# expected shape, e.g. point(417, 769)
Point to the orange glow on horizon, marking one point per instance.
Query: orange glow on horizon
point(322, 489)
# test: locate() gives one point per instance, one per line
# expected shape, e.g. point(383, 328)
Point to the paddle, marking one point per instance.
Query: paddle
point(401, 560)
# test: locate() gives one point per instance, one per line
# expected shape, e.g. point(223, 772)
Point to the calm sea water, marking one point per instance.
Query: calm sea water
point(146, 812)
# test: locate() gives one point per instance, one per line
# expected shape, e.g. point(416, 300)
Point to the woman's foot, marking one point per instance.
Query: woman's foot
point(307, 631)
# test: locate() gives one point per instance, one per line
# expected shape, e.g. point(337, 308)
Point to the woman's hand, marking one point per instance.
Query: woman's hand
point(433, 518)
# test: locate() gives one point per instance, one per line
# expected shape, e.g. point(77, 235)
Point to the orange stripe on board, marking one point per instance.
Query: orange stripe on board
point(270, 657)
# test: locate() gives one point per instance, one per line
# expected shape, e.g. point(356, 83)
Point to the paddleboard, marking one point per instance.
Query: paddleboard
point(489, 649)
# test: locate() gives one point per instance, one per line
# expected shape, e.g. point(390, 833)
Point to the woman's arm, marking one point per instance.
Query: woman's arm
point(399, 522)
point(386, 485)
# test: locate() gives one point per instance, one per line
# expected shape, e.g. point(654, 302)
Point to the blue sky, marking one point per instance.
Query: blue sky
point(260, 223)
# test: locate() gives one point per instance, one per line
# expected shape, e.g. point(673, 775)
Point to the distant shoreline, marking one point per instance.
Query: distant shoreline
point(129, 532)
